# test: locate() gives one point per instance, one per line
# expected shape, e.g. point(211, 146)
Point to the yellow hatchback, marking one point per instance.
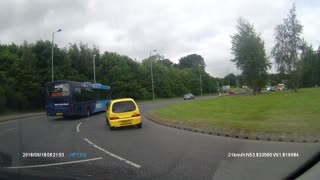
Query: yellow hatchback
point(123, 112)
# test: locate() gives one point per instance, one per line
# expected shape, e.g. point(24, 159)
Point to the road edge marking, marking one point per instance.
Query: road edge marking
point(113, 155)
point(7, 130)
point(54, 164)
point(78, 127)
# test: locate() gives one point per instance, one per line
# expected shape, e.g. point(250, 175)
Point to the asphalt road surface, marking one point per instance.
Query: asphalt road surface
point(85, 148)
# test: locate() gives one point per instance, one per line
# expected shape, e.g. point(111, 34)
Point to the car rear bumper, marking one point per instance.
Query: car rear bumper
point(125, 122)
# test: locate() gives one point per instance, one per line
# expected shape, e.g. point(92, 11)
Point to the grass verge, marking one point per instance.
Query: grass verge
point(283, 112)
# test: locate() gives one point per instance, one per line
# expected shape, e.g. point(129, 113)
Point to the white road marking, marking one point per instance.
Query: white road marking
point(78, 126)
point(78, 130)
point(9, 121)
point(54, 164)
point(7, 130)
point(113, 155)
point(15, 120)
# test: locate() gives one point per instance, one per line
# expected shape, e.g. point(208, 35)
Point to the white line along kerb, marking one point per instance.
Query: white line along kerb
point(113, 155)
point(54, 164)
point(78, 126)
point(7, 130)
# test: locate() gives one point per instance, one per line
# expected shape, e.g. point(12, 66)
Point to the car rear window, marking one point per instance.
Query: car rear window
point(124, 106)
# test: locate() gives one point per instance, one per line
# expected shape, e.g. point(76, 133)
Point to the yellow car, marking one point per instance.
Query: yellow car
point(123, 112)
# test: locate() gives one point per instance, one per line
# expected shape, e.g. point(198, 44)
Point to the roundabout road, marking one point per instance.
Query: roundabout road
point(92, 151)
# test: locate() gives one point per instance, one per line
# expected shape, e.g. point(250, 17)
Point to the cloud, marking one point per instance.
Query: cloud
point(134, 28)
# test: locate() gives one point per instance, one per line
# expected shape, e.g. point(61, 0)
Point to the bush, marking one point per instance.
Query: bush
point(16, 100)
point(2, 101)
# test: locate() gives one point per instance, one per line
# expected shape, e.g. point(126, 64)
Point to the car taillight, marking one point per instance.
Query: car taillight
point(135, 115)
point(114, 118)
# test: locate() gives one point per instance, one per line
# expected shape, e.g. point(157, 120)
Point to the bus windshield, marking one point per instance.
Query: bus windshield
point(54, 90)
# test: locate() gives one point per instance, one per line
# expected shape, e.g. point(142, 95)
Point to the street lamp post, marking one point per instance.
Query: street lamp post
point(200, 79)
point(94, 68)
point(218, 88)
point(52, 53)
point(152, 74)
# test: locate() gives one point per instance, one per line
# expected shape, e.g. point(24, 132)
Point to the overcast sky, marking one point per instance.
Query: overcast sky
point(135, 27)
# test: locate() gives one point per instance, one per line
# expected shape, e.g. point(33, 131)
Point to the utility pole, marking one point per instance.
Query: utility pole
point(52, 45)
point(200, 80)
point(218, 88)
point(94, 68)
point(152, 74)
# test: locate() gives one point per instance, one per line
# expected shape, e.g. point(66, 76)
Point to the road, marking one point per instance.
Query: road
point(153, 152)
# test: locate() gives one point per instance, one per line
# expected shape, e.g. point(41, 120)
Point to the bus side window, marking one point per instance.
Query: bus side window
point(77, 94)
point(87, 94)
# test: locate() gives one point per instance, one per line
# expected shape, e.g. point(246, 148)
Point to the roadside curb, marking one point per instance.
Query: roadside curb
point(20, 116)
point(235, 134)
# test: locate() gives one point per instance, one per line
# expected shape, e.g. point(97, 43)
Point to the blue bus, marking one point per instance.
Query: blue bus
point(70, 98)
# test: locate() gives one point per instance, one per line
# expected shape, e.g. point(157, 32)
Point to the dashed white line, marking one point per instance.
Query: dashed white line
point(113, 155)
point(78, 126)
point(7, 130)
point(54, 164)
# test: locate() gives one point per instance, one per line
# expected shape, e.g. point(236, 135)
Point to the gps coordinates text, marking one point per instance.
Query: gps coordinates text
point(264, 155)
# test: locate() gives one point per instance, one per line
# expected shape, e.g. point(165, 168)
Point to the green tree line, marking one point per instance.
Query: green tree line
point(24, 70)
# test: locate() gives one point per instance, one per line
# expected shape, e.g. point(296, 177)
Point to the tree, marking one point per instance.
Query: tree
point(230, 79)
point(275, 79)
point(166, 62)
point(250, 56)
point(317, 67)
point(241, 80)
point(191, 61)
point(308, 70)
point(287, 43)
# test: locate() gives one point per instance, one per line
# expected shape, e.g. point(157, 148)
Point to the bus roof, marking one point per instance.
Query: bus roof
point(94, 86)
point(100, 86)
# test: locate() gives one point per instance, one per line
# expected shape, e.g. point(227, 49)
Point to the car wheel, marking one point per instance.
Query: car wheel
point(139, 125)
point(112, 128)
point(107, 121)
